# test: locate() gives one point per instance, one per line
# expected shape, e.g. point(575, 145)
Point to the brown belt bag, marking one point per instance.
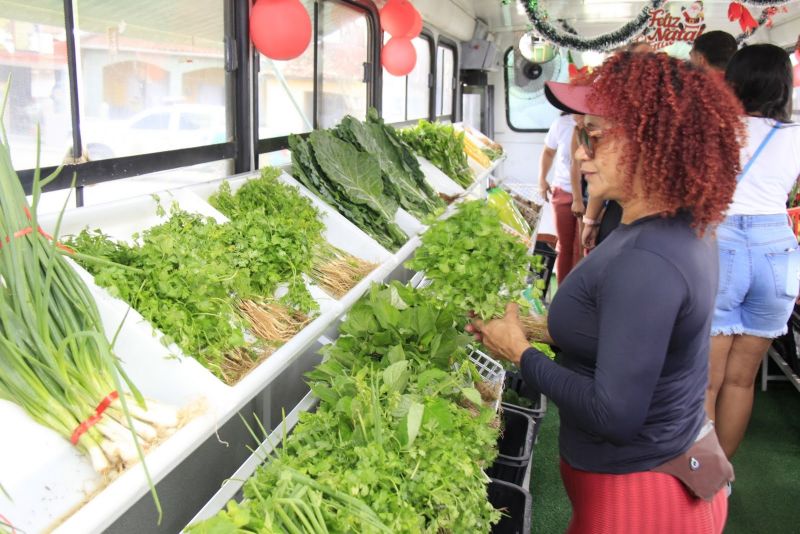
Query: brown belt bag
point(704, 469)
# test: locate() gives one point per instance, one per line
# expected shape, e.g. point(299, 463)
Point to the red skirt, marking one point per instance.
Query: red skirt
point(639, 503)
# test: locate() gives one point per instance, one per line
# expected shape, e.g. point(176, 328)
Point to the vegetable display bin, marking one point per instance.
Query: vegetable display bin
point(515, 504)
point(515, 446)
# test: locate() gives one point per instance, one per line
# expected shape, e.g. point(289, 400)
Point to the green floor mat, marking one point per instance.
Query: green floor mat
point(767, 488)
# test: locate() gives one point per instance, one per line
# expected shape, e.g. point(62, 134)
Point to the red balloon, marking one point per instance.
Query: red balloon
point(416, 28)
point(397, 17)
point(796, 71)
point(399, 56)
point(280, 29)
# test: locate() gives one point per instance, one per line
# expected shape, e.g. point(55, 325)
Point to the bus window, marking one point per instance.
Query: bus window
point(343, 49)
point(527, 109)
point(147, 75)
point(286, 93)
point(445, 72)
point(36, 59)
point(407, 98)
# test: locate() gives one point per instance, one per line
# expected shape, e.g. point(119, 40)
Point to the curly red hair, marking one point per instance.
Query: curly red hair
point(684, 129)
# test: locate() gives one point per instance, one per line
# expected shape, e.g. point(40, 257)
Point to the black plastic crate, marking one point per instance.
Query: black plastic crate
point(549, 254)
point(515, 446)
point(515, 383)
point(515, 504)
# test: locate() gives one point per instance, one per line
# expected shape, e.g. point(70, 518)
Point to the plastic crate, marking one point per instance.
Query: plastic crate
point(514, 382)
point(549, 254)
point(515, 445)
point(515, 504)
point(491, 371)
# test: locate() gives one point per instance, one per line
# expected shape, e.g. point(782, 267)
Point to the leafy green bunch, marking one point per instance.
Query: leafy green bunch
point(277, 230)
point(184, 285)
point(395, 445)
point(350, 181)
point(403, 179)
point(474, 264)
point(395, 323)
point(442, 146)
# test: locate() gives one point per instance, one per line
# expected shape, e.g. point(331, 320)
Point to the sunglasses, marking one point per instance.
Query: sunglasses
point(588, 142)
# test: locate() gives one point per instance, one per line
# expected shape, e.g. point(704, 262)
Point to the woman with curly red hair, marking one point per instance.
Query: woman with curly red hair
point(662, 138)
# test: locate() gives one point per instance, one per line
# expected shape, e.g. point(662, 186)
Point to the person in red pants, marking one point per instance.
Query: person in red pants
point(566, 207)
point(661, 137)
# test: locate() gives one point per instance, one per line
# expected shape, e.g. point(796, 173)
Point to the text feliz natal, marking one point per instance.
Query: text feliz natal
point(664, 30)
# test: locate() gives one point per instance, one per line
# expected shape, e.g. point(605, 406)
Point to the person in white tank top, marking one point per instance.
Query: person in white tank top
point(759, 260)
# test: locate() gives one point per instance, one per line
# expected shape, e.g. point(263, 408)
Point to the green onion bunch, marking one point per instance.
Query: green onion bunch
point(57, 363)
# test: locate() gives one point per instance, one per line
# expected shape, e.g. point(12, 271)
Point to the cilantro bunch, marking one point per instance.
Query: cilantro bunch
point(472, 262)
point(277, 230)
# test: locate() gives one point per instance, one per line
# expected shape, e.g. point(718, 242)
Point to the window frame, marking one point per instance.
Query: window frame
point(241, 70)
point(236, 17)
point(513, 128)
point(371, 71)
point(427, 35)
point(452, 45)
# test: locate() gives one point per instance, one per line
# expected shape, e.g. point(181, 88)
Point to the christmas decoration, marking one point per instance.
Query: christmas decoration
point(737, 12)
point(604, 42)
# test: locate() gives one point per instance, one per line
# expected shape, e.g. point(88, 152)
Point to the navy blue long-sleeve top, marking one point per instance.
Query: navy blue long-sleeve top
point(633, 322)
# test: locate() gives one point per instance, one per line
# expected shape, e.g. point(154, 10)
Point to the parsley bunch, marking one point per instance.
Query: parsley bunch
point(473, 263)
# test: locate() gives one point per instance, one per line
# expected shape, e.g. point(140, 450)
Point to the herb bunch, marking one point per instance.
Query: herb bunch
point(472, 262)
point(442, 146)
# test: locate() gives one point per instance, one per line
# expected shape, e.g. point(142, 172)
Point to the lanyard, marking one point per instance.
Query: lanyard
point(769, 135)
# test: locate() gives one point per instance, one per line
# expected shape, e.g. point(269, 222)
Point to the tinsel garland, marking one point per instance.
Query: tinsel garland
point(603, 42)
point(551, 34)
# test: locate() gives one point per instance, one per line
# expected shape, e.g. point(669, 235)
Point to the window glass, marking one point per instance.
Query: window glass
point(34, 54)
point(408, 97)
point(144, 65)
point(445, 66)
point(526, 106)
point(393, 100)
point(343, 49)
point(286, 92)
point(419, 94)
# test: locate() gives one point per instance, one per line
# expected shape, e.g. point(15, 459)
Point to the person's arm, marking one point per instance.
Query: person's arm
point(639, 299)
point(545, 163)
point(578, 208)
point(591, 222)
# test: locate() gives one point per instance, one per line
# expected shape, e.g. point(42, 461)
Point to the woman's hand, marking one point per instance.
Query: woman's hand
point(544, 190)
point(589, 235)
point(578, 207)
point(504, 337)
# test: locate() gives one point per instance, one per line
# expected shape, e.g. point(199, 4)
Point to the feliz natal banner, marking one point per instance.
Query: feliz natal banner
point(671, 24)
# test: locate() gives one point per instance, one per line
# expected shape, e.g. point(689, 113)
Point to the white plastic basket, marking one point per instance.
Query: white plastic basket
point(419, 281)
point(491, 371)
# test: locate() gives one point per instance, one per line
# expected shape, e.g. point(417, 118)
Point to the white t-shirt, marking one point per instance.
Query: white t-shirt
point(768, 182)
point(559, 138)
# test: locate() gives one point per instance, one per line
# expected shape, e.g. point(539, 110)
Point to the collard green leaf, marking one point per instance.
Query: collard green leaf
point(358, 173)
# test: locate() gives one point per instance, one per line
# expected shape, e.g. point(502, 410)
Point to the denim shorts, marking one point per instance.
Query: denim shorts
point(759, 275)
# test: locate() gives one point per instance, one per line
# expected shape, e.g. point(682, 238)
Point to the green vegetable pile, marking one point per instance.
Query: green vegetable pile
point(472, 262)
point(267, 210)
point(399, 440)
point(366, 172)
point(403, 178)
point(442, 146)
point(203, 284)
